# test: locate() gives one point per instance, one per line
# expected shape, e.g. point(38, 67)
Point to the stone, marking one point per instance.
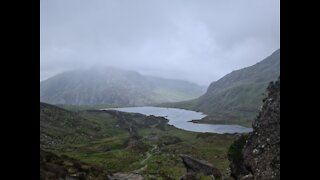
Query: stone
point(199, 166)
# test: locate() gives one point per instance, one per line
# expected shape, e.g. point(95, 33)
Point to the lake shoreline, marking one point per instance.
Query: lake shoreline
point(185, 119)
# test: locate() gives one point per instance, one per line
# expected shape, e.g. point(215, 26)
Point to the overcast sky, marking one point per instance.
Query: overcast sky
point(195, 40)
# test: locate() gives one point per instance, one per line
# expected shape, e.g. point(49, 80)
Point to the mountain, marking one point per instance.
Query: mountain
point(111, 86)
point(236, 97)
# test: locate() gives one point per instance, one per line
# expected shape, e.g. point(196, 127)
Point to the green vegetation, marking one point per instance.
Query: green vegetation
point(237, 97)
point(235, 156)
point(235, 150)
point(129, 142)
point(64, 167)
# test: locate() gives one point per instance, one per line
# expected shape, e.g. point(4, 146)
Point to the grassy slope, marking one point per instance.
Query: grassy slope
point(237, 97)
point(63, 167)
point(59, 127)
point(157, 150)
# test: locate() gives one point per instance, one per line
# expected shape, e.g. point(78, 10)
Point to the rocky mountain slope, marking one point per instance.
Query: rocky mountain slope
point(59, 127)
point(258, 153)
point(236, 97)
point(111, 86)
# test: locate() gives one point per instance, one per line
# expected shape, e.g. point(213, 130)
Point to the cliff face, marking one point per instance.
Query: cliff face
point(260, 154)
point(262, 151)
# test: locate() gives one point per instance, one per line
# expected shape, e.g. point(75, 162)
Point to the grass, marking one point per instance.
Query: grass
point(109, 148)
point(236, 97)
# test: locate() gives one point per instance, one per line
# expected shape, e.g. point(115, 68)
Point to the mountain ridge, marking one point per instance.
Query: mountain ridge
point(236, 97)
point(108, 85)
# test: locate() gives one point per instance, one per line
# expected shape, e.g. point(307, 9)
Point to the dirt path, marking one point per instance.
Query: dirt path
point(134, 175)
point(149, 154)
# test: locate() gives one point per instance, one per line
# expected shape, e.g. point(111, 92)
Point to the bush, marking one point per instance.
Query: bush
point(167, 140)
point(235, 150)
point(236, 158)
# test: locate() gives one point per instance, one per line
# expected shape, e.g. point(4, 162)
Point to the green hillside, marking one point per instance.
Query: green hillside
point(236, 97)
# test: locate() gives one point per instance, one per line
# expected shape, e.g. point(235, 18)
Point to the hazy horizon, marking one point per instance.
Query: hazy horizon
point(196, 41)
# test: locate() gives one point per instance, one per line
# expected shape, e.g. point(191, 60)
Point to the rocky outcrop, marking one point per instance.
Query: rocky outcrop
point(155, 122)
point(260, 154)
point(195, 166)
point(262, 151)
point(132, 121)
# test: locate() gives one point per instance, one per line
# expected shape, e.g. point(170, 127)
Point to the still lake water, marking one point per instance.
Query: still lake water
point(180, 117)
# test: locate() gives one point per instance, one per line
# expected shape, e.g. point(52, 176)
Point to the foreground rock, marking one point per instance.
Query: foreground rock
point(195, 166)
point(262, 150)
point(260, 155)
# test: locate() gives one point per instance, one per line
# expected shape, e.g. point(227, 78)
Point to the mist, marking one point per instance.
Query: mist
point(195, 40)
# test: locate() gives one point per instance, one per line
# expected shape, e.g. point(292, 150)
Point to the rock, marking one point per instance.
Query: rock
point(199, 166)
point(188, 176)
point(262, 151)
point(229, 178)
point(259, 152)
point(247, 177)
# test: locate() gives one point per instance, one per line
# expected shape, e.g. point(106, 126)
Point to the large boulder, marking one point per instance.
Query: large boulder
point(199, 166)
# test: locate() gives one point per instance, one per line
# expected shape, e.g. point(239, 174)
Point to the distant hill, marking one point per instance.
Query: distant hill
point(236, 97)
point(115, 87)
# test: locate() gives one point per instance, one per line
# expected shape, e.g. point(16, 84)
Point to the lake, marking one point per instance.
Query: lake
point(180, 117)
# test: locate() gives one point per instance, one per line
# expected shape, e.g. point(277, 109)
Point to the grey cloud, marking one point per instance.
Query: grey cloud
point(199, 41)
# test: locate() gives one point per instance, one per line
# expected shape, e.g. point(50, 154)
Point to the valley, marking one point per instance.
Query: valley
point(129, 142)
point(113, 124)
point(155, 90)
